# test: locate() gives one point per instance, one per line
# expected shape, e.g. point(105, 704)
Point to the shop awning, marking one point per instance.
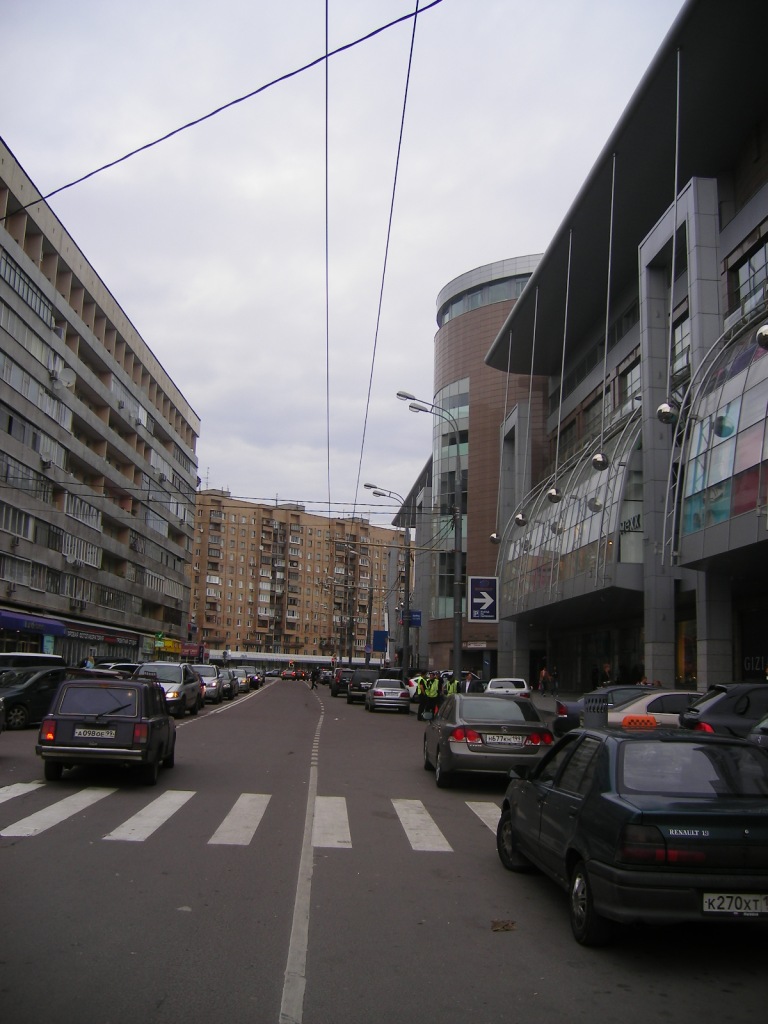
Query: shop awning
point(31, 623)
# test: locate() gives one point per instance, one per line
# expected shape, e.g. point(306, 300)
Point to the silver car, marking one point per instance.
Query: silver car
point(480, 733)
point(388, 693)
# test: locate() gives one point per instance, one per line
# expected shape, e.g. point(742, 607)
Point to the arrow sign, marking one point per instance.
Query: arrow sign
point(483, 599)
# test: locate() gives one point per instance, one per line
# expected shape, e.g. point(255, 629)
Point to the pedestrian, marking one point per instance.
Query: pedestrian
point(423, 699)
point(554, 679)
point(313, 677)
point(544, 680)
point(433, 693)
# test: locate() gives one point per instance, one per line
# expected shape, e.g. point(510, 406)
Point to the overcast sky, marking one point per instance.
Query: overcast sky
point(214, 241)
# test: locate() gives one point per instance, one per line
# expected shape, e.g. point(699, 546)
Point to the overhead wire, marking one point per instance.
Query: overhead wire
point(416, 13)
point(231, 103)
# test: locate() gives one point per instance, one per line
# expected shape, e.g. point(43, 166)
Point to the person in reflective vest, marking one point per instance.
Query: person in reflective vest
point(452, 686)
point(433, 693)
point(421, 692)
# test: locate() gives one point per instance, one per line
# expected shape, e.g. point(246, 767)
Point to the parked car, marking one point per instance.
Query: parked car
point(359, 683)
point(242, 679)
point(508, 685)
point(256, 680)
point(230, 686)
point(728, 709)
point(182, 685)
point(213, 680)
point(388, 693)
point(478, 733)
point(664, 706)
point(340, 681)
point(115, 722)
point(759, 733)
point(569, 714)
point(30, 659)
point(120, 666)
point(651, 826)
point(26, 694)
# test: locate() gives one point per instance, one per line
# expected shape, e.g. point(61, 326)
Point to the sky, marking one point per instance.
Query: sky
point(290, 333)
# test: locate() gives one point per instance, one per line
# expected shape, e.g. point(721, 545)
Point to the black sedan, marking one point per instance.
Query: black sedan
point(728, 709)
point(644, 826)
point(480, 733)
point(122, 722)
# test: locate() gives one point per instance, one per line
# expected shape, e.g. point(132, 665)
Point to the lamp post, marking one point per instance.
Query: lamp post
point(418, 405)
point(383, 492)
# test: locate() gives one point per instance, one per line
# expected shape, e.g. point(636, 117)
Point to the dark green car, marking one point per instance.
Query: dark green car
point(644, 827)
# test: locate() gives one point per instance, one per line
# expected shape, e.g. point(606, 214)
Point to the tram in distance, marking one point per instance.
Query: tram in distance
point(262, 662)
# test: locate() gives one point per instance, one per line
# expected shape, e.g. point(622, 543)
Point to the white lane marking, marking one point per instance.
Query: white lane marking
point(487, 811)
point(239, 826)
point(56, 813)
point(331, 824)
point(423, 834)
point(151, 817)
point(18, 789)
point(295, 981)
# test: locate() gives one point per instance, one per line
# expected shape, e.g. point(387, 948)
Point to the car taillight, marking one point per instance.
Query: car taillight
point(703, 727)
point(461, 735)
point(537, 738)
point(645, 844)
point(560, 708)
point(140, 733)
point(378, 693)
point(48, 730)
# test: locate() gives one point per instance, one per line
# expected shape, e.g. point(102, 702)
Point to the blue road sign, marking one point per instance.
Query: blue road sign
point(483, 605)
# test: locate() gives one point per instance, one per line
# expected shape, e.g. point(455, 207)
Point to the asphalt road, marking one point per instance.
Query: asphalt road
point(298, 864)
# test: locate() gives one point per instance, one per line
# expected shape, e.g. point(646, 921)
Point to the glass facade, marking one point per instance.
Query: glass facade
point(726, 461)
point(454, 400)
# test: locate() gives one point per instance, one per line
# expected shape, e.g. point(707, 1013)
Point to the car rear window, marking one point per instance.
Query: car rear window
point(99, 700)
point(497, 709)
point(168, 673)
point(692, 769)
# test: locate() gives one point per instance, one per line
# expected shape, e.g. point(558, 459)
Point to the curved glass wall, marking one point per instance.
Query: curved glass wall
point(726, 458)
point(454, 400)
point(597, 522)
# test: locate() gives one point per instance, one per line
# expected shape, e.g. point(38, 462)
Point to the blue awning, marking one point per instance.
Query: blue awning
point(31, 624)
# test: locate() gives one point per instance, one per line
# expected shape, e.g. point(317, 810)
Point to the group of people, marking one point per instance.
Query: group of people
point(432, 688)
point(549, 681)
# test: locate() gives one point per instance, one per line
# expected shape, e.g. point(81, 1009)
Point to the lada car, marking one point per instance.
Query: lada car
point(121, 722)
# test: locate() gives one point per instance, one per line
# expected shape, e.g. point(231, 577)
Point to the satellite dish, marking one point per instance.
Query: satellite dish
point(70, 559)
point(67, 377)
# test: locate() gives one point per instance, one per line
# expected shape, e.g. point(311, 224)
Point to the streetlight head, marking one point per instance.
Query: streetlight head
point(371, 487)
point(521, 519)
point(418, 407)
point(600, 461)
point(554, 494)
point(381, 494)
point(667, 413)
point(495, 538)
point(406, 396)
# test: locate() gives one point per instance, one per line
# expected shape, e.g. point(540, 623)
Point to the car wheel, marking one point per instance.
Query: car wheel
point(150, 772)
point(170, 761)
point(589, 927)
point(334, 692)
point(17, 717)
point(349, 699)
point(427, 762)
point(442, 777)
point(506, 844)
point(52, 770)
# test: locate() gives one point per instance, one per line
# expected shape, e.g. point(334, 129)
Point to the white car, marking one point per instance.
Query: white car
point(519, 687)
point(665, 706)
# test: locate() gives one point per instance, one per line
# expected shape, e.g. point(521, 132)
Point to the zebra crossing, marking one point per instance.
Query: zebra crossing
point(330, 827)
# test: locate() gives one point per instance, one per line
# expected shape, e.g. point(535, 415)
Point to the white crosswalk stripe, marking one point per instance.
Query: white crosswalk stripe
point(150, 818)
point(239, 826)
point(56, 813)
point(487, 811)
point(330, 829)
point(18, 789)
point(423, 834)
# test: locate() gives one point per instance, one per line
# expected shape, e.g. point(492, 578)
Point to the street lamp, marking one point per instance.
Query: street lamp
point(418, 405)
point(384, 493)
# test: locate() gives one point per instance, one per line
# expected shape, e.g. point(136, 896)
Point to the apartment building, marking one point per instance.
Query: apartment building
point(276, 579)
point(98, 470)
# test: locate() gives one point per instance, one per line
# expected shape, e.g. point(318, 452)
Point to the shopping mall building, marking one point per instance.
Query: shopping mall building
point(640, 539)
